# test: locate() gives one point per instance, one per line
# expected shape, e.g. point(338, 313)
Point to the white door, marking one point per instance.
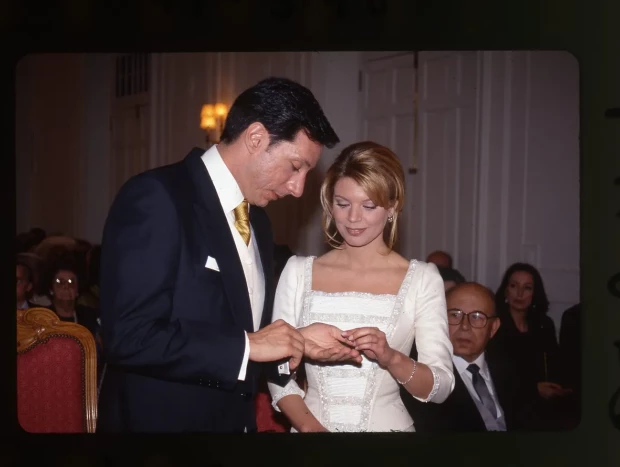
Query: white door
point(440, 171)
point(445, 184)
point(388, 86)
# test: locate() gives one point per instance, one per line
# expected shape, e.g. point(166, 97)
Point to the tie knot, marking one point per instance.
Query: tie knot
point(242, 211)
point(473, 369)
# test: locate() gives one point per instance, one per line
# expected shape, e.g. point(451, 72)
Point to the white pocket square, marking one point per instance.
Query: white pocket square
point(212, 264)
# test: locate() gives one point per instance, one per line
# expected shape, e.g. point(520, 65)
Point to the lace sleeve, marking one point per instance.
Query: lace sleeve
point(435, 388)
point(278, 392)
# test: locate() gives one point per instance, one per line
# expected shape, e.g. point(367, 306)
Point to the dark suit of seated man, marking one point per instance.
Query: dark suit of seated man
point(486, 396)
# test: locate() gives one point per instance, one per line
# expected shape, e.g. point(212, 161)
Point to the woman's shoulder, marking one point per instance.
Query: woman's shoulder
point(296, 265)
point(400, 262)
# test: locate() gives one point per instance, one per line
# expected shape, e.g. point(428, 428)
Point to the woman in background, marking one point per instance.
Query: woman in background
point(527, 340)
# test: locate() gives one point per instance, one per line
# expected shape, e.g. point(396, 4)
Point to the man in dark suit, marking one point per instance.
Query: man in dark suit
point(486, 396)
point(187, 272)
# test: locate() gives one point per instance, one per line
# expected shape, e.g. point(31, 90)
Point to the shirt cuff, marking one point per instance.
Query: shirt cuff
point(246, 358)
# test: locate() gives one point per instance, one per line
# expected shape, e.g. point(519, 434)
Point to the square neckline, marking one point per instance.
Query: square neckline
point(355, 293)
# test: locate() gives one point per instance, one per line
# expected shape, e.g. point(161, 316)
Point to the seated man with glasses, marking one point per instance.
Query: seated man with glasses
point(486, 396)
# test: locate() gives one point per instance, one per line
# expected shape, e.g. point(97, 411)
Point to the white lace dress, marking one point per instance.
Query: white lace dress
point(347, 398)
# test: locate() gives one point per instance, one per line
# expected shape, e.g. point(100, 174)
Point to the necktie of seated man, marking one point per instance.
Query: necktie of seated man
point(242, 221)
point(481, 389)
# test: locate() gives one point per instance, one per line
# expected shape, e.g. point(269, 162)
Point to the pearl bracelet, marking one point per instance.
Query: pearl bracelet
point(415, 365)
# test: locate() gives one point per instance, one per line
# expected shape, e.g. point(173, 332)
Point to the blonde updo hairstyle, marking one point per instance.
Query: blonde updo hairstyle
point(377, 170)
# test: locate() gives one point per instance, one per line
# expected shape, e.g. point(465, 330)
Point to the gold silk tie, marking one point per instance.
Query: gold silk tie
point(242, 221)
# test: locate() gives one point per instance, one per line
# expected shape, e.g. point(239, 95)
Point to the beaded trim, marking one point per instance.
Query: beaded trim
point(347, 372)
point(290, 388)
point(381, 296)
point(370, 373)
point(435, 385)
point(349, 318)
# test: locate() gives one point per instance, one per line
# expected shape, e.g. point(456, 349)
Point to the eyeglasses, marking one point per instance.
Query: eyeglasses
point(477, 319)
point(68, 282)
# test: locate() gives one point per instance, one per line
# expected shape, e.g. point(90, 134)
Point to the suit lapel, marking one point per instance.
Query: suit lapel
point(463, 399)
point(501, 390)
point(215, 236)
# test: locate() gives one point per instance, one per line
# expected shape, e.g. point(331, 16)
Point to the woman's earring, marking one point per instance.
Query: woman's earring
point(390, 219)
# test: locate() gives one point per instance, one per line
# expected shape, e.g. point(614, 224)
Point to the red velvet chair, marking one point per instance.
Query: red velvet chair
point(56, 374)
point(267, 419)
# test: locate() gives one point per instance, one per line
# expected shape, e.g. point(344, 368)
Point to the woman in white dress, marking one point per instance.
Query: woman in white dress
point(378, 299)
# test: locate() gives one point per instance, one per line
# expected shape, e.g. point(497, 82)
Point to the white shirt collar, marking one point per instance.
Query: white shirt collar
point(226, 186)
point(461, 365)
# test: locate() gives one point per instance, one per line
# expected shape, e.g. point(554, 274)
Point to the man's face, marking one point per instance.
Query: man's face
point(469, 341)
point(24, 284)
point(281, 170)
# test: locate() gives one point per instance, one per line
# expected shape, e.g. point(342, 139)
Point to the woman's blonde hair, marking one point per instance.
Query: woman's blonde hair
point(377, 170)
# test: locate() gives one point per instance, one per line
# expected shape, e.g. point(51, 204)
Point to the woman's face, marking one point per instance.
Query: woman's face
point(358, 220)
point(520, 290)
point(65, 285)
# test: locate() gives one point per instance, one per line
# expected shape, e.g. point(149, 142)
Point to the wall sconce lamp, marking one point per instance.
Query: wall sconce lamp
point(212, 118)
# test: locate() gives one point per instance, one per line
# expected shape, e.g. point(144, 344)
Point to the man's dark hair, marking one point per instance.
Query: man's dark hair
point(284, 107)
point(38, 234)
point(450, 274)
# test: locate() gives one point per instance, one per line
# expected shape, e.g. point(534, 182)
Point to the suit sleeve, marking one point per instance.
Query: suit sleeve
point(140, 257)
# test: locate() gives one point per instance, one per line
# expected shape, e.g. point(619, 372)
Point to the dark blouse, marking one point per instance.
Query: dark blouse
point(535, 353)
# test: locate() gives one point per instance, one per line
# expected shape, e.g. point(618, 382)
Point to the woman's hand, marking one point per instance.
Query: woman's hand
point(372, 343)
point(549, 390)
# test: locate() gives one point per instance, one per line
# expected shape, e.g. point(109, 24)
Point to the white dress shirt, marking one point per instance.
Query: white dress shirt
point(230, 197)
point(461, 366)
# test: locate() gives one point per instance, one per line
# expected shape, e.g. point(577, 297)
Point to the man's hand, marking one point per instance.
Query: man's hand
point(275, 342)
point(324, 343)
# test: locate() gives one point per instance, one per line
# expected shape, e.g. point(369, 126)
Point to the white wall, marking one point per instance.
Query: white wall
point(62, 109)
point(49, 137)
point(530, 203)
point(94, 188)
